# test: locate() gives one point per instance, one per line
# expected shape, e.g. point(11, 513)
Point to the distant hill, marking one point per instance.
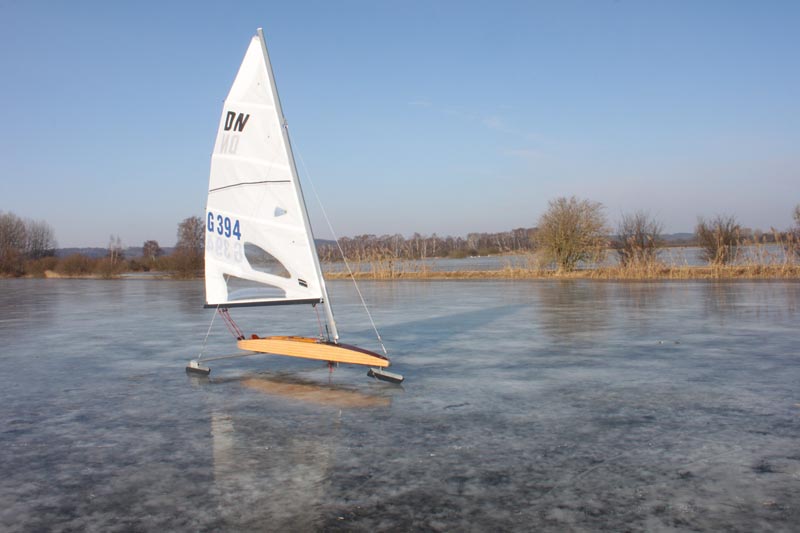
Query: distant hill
point(678, 238)
point(88, 252)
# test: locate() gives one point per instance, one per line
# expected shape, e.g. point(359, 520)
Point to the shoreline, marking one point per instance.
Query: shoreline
point(784, 272)
point(654, 273)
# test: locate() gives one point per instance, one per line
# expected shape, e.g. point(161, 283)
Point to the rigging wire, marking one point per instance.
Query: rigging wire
point(222, 311)
point(339, 246)
point(203, 347)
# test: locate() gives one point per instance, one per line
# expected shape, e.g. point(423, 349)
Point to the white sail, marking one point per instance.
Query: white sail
point(259, 245)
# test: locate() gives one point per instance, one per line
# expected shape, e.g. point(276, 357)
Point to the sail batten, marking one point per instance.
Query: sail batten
point(246, 183)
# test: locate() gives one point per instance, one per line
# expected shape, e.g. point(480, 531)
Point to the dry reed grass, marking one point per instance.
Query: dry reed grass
point(788, 269)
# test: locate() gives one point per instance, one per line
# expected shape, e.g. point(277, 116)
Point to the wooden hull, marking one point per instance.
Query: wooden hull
point(310, 348)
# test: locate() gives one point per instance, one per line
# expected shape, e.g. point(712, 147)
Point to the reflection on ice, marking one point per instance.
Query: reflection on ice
point(296, 389)
point(292, 470)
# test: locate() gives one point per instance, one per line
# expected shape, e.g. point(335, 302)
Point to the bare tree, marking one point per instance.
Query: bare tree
point(572, 230)
point(796, 217)
point(188, 255)
point(151, 251)
point(115, 253)
point(794, 234)
point(191, 236)
point(41, 241)
point(13, 236)
point(719, 238)
point(639, 237)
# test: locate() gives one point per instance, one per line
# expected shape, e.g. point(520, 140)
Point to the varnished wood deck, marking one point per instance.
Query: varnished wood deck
point(310, 348)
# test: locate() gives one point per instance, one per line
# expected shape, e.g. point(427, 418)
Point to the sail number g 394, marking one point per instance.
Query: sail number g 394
point(223, 226)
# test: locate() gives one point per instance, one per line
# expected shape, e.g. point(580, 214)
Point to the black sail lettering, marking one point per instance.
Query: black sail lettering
point(241, 120)
point(229, 118)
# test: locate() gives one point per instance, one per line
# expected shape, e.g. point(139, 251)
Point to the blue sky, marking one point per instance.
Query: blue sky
point(445, 117)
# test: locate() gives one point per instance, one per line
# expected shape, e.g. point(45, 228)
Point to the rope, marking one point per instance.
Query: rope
point(339, 246)
point(319, 322)
point(230, 324)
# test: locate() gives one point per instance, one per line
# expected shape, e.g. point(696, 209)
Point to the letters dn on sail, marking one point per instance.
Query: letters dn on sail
point(229, 143)
point(237, 122)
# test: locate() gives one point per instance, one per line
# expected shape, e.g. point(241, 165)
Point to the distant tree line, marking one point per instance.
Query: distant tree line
point(27, 247)
point(369, 247)
point(570, 232)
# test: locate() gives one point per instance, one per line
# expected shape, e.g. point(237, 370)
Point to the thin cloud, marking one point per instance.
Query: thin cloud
point(493, 122)
point(522, 153)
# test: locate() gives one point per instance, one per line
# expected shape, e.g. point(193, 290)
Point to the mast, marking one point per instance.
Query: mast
point(333, 332)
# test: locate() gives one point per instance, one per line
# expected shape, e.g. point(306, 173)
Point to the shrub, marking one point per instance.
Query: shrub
point(570, 231)
point(76, 265)
point(718, 238)
point(184, 265)
point(38, 267)
point(109, 267)
point(639, 236)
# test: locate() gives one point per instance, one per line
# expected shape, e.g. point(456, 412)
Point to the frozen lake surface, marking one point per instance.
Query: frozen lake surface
point(528, 405)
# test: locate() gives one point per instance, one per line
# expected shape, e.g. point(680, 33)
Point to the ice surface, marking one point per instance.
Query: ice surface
point(528, 405)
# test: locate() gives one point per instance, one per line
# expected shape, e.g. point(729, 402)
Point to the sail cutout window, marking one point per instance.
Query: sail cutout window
point(245, 289)
point(263, 261)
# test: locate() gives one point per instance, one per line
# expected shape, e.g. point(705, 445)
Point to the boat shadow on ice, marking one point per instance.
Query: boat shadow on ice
point(432, 332)
point(441, 341)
